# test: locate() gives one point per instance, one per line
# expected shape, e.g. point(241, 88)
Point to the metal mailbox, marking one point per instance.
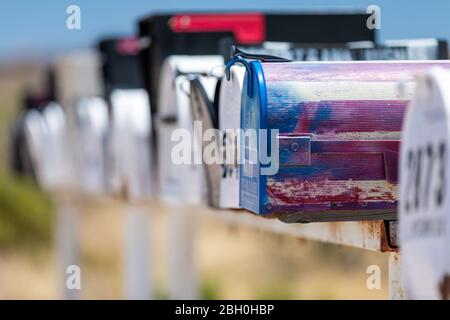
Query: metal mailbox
point(45, 143)
point(181, 181)
point(79, 91)
point(129, 152)
point(230, 90)
point(320, 140)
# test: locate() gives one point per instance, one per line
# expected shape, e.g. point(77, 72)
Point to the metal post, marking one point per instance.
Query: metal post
point(396, 290)
point(67, 244)
point(183, 273)
point(137, 282)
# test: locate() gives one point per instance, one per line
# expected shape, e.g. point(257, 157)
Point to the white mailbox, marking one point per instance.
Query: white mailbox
point(181, 180)
point(130, 145)
point(79, 91)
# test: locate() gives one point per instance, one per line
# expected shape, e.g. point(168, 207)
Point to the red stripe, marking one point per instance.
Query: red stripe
point(246, 28)
point(128, 46)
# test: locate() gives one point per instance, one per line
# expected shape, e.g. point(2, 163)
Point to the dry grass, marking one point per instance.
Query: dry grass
point(235, 263)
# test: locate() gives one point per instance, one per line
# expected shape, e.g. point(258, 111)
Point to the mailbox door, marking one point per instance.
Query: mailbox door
point(175, 113)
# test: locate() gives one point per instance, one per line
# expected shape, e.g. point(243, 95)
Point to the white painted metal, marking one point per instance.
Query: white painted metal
point(45, 135)
point(58, 171)
point(181, 186)
point(138, 283)
point(396, 289)
point(67, 246)
point(35, 133)
point(92, 127)
point(130, 139)
point(369, 235)
point(424, 217)
point(183, 271)
point(174, 112)
point(229, 121)
point(130, 160)
point(77, 76)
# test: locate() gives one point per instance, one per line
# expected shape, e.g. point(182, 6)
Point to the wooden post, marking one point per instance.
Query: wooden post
point(396, 290)
point(67, 244)
point(137, 282)
point(183, 273)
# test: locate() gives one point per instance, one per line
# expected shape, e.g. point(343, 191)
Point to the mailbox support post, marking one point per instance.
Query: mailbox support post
point(366, 235)
point(67, 245)
point(396, 290)
point(183, 273)
point(137, 253)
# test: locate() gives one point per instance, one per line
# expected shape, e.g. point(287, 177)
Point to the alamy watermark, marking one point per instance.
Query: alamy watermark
point(374, 20)
point(73, 21)
point(373, 282)
point(73, 280)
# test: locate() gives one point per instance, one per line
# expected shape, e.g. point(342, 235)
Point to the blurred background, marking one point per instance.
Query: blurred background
point(235, 262)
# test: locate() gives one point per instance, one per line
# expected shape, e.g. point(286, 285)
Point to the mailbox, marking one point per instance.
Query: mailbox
point(229, 121)
point(121, 64)
point(45, 142)
point(79, 92)
point(58, 172)
point(130, 151)
point(92, 128)
point(230, 90)
point(204, 108)
point(179, 179)
point(33, 128)
point(320, 140)
point(129, 138)
point(20, 160)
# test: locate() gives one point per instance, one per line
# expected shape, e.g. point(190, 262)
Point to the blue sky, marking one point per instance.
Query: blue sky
point(38, 27)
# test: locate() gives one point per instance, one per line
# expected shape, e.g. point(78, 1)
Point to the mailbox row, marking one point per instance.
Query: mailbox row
point(236, 111)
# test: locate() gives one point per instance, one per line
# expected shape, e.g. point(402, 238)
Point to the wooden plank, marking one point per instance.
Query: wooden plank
point(369, 235)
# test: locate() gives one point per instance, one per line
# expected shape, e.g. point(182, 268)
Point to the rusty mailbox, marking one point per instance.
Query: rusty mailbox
point(320, 140)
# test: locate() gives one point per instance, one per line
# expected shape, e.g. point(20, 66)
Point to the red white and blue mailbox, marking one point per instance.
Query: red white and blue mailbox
point(320, 140)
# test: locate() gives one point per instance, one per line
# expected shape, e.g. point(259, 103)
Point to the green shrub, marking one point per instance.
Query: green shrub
point(210, 289)
point(26, 214)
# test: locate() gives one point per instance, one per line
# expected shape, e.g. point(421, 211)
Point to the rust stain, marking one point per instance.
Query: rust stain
point(377, 230)
point(444, 287)
point(335, 231)
point(384, 241)
point(293, 191)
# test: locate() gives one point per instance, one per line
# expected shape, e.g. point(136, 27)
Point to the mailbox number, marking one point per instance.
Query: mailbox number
point(230, 162)
point(421, 163)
